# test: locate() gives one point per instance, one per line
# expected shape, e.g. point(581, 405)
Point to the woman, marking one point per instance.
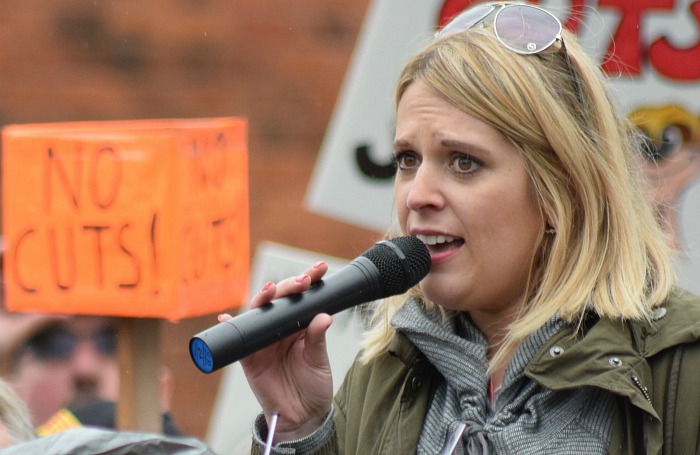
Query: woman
point(548, 322)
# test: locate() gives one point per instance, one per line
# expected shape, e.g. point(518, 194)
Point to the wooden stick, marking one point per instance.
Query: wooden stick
point(138, 408)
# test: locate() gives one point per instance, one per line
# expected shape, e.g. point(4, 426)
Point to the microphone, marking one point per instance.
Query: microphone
point(389, 268)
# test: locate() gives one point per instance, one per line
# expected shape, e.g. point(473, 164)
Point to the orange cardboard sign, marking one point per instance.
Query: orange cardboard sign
point(138, 218)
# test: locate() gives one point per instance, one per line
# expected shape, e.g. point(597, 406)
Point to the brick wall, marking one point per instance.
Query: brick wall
point(278, 63)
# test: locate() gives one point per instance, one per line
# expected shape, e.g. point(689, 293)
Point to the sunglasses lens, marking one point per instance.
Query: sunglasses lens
point(59, 344)
point(525, 29)
point(53, 344)
point(106, 341)
point(466, 19)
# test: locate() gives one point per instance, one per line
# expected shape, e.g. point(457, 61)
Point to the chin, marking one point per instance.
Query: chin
point(441, 290)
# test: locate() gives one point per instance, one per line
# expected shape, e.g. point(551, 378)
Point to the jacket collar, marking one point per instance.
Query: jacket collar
point(402, 348)
point(676, 322)
point(613, 354)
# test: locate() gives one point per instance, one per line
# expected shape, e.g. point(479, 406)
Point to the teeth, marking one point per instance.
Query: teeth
point(434, 239)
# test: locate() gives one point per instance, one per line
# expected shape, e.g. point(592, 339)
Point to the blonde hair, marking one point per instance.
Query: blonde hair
point(609, 254)
point(14, 416)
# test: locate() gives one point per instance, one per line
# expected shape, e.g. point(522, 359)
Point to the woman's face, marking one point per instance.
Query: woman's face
point(462, 188)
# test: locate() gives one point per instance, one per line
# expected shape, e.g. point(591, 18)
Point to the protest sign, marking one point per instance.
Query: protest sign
point(135, 218)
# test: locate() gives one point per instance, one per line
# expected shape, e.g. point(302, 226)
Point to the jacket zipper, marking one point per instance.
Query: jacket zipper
point(642, 388)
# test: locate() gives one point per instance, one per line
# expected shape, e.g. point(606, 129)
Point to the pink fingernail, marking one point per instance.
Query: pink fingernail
point(301, 278)
point(319, 264)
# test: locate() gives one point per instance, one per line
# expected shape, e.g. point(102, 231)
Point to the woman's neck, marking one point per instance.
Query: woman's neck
point(494, 328)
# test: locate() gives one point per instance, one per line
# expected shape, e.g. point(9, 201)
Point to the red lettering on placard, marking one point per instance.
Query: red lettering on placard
point(450, 9)
point(677, 63)
point(626, 48)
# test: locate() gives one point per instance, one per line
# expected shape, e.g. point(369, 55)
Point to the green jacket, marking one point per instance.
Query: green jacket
point(653, 369)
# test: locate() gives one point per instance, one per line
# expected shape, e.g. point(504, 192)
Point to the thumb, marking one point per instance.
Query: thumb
point(315, 340)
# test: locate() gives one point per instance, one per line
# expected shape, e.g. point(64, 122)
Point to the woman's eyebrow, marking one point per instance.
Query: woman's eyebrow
point(461, 145)
point(401, 144)
point(447, 143)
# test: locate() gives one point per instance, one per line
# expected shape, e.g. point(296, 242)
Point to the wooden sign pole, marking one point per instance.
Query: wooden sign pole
point(138, 408)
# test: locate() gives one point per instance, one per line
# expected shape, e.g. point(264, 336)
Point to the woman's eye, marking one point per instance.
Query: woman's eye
point(464, 164)
point(406, 160)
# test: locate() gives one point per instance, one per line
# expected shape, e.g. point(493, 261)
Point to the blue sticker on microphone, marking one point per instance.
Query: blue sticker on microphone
point(201, 355)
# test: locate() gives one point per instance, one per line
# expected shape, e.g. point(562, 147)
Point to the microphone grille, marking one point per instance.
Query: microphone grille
point(402, 262)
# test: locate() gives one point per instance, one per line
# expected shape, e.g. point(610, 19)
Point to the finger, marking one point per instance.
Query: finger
point(300, 283)
point(270, 291)
point(317, 271)
point(224, 317)
point(315, 340)
point(266, 294)
point(293, 285)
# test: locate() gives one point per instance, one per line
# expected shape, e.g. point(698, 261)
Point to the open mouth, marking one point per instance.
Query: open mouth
point(440, 243)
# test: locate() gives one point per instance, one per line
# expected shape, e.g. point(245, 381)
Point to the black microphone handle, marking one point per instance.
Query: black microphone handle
point(229, 341)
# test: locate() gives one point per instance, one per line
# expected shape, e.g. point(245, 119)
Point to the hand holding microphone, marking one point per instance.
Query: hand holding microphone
point(286, 366)
point(390, 267)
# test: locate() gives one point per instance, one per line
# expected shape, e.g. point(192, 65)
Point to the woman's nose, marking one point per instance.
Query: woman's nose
point(425, 190)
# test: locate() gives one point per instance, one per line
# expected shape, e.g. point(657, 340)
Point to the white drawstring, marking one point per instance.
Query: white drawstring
point(455, 439)
point(271, 432)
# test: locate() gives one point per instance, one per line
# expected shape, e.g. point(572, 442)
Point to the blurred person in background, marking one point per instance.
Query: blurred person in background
point(65, 368)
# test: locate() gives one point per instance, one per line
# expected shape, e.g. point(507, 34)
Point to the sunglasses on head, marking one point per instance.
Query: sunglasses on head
point(524, 29)
point(58, 343)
